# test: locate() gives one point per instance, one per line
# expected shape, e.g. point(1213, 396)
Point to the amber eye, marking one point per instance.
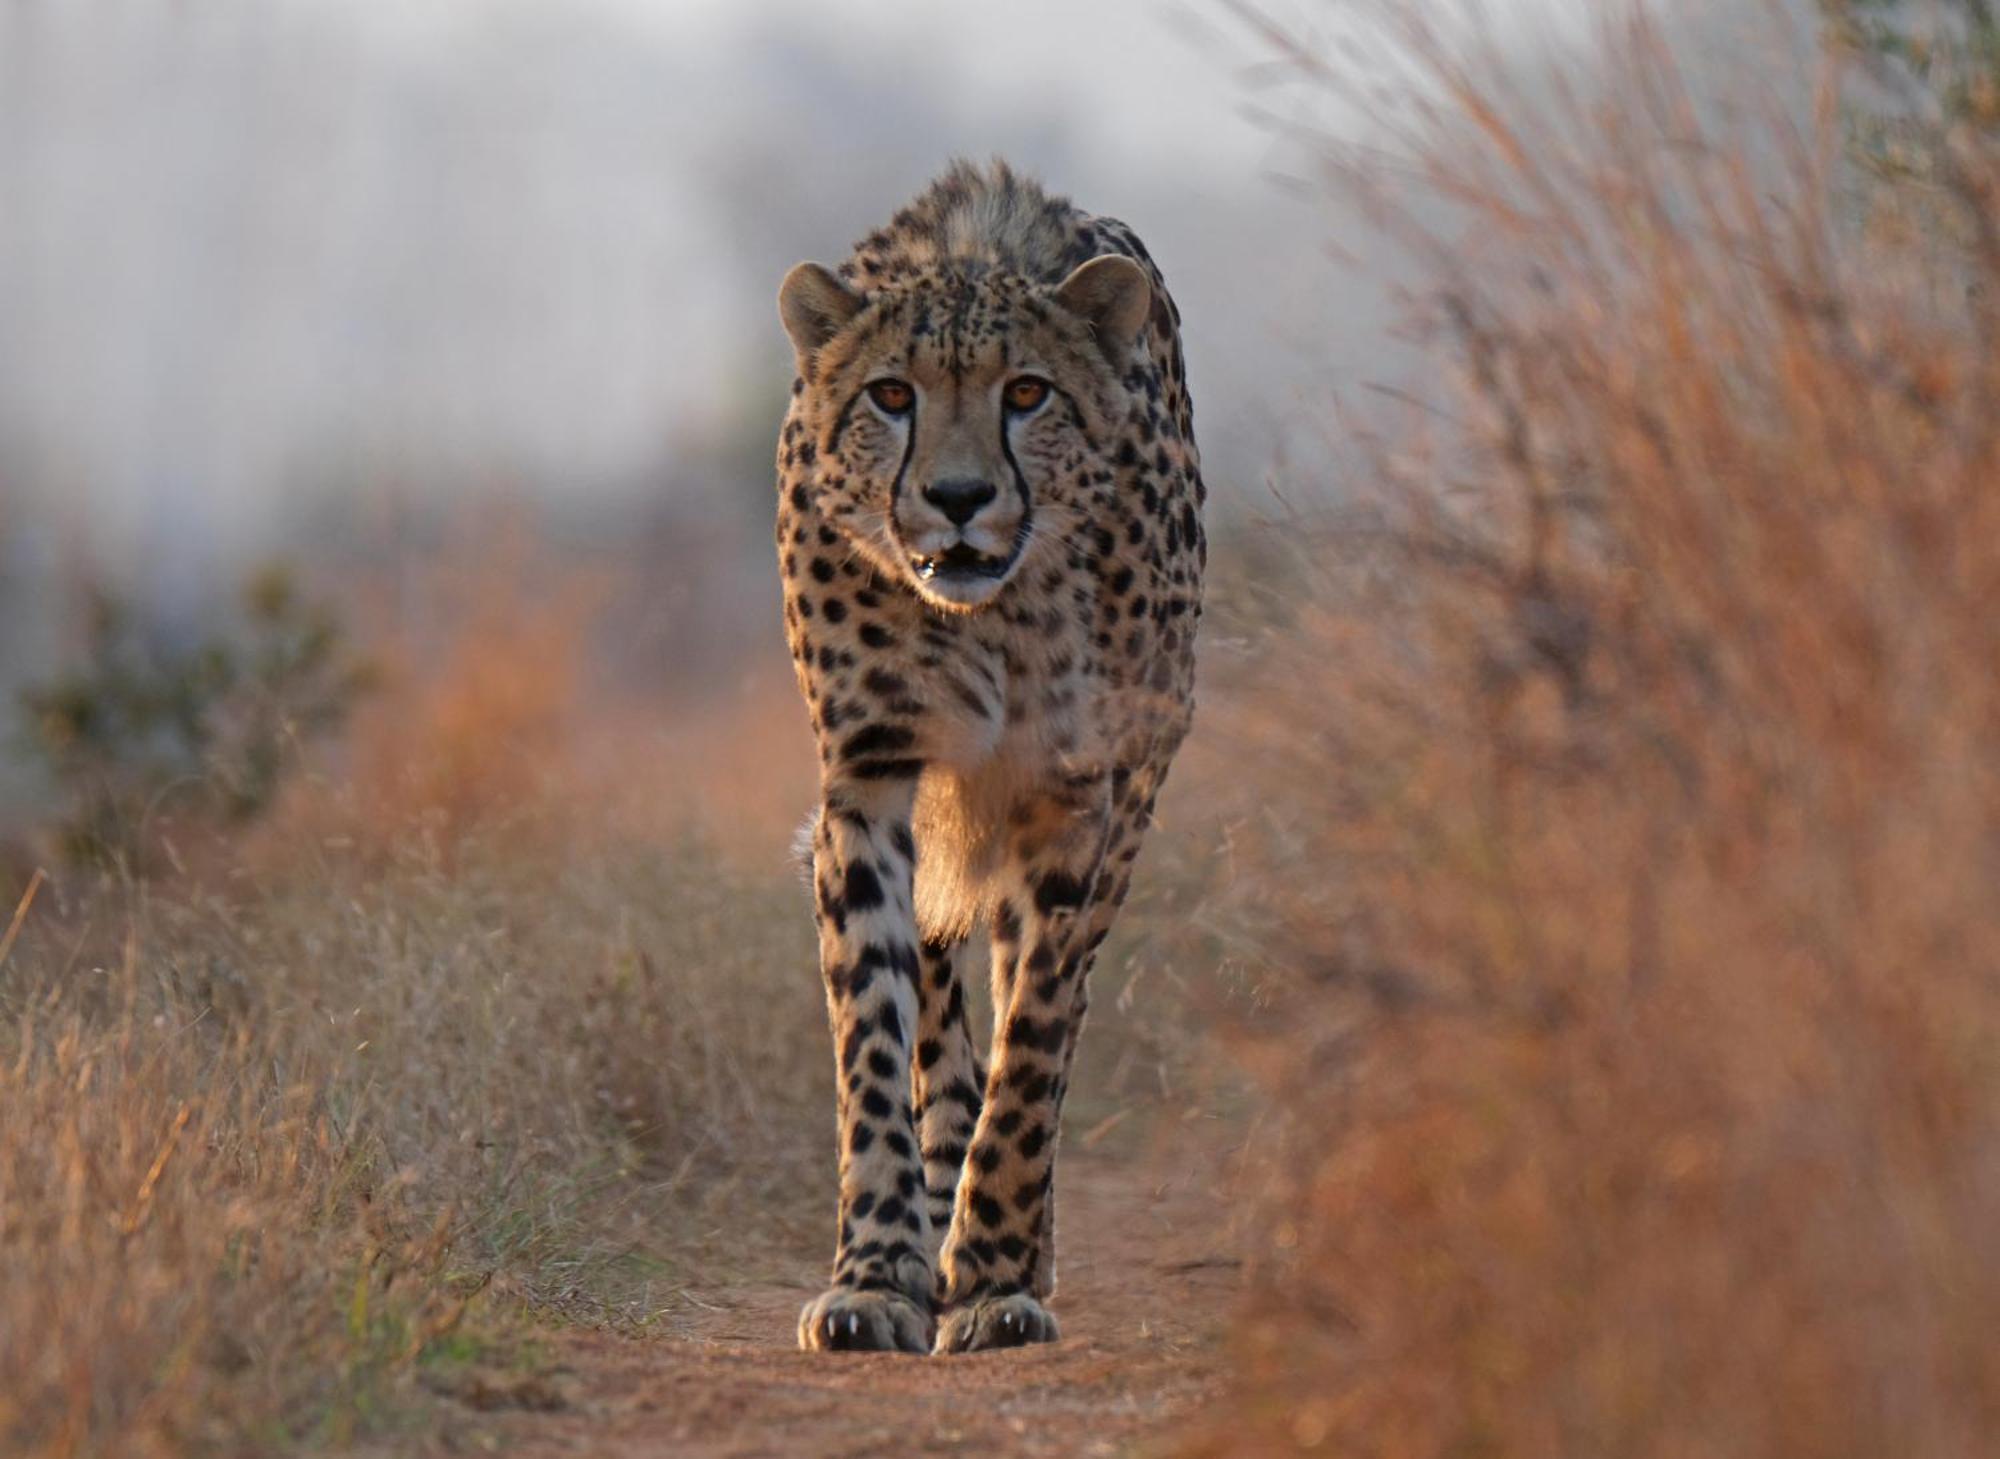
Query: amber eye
point(1026, 393)
point(894, 396)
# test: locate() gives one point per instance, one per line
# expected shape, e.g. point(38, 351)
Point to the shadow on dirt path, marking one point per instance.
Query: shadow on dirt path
point(1148, 1277)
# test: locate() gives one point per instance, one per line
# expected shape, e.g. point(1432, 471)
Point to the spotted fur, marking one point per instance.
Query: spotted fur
point(991, 606)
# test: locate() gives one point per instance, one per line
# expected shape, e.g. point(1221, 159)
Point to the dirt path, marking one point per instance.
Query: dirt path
point(1147, 1280)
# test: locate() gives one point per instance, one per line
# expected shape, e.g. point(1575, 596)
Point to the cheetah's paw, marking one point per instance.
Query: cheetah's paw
point(1011, 1321)
point(845, 1320)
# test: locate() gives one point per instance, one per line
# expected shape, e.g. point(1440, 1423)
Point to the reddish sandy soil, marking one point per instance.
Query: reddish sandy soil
point(1147, 1281)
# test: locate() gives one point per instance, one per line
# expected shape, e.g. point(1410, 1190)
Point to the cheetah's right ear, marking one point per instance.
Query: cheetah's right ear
point(814, 304)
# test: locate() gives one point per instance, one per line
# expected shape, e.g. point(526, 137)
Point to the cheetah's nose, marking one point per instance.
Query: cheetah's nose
point(959, 498)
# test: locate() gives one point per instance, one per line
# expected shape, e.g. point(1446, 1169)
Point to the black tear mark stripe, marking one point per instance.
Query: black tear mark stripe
point(909, 447)
point(1026, 525)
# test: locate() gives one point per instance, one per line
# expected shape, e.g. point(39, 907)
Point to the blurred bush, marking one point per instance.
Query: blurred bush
point(214, 725)
point(1628, 813)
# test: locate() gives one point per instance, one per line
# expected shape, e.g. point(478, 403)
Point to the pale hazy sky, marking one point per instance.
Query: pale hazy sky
point(252, 253)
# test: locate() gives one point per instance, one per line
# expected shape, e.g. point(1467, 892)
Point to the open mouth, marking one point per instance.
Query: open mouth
point(961, 561)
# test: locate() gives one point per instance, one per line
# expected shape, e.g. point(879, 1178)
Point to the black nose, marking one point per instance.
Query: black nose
point(959, 499)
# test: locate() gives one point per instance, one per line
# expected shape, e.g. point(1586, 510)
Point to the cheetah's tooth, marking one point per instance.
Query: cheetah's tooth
point(853, 1323)
point(832, 1323)
point(1006, 1319)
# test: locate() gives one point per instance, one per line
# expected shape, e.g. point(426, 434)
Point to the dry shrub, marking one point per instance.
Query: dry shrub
point(485, 658)
point(504, 708)
point(1641, 735)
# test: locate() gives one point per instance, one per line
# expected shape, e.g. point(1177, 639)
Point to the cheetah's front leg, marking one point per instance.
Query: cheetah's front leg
point(994, 1266)
point(882, 1272)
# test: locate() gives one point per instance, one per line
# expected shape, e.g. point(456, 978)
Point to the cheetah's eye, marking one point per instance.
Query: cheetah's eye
point(893, 396)
point(1024, 394)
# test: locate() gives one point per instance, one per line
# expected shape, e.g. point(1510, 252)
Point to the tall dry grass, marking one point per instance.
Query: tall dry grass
point(271, 1148)
point(1631, 821)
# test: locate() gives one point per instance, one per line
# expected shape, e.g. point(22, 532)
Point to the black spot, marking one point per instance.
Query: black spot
point(964, 1094)
point(835, 610)
point(904, 769)
point(822, 570)
point(1056, 889)
point(864, 888)
point(876, 636)
point(877, 739)
point(988, 1210)
point(850, 1048)
point(1033, 1139)
point(881, 1065)
point(1024, 1029)
point(928, 1053)
point(1049, 1036)
point(1032, 1086)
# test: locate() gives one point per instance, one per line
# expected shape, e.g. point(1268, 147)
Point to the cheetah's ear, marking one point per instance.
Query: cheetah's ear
point(814, 304)
point(1112, 295)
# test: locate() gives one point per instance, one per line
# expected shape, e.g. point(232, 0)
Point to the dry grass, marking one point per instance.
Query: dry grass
point(1643, 740)
point(262, 1145)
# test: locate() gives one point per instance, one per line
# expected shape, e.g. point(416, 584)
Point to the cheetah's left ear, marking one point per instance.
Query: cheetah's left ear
point(1112, 295)
point(814, 304)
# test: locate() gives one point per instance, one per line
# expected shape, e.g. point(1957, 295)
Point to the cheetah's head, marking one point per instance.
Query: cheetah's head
point(960, 418)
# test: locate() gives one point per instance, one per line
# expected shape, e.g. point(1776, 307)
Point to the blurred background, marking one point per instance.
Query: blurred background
point(326, 281)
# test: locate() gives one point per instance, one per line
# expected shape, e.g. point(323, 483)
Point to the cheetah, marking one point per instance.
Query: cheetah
point(989, 531)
